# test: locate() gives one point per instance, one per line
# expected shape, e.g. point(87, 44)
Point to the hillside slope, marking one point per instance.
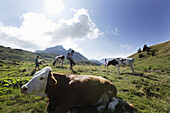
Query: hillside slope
point(156, 58)
point(6, 53)
point(19, 55)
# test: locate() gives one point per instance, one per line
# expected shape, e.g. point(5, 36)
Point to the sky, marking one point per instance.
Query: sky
point(95, 28)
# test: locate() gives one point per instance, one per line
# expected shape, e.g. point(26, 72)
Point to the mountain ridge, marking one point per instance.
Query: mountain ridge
point(62, 51)
point(7, 54)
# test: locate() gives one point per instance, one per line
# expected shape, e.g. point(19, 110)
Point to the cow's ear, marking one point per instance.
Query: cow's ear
point(52, 80)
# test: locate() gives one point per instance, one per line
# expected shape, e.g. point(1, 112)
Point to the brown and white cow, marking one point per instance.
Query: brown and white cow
point(75, 93)
point(66, 91)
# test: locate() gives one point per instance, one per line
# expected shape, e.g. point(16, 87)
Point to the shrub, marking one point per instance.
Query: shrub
point(139, 51)
point(141, 55)
point(146, 48)
point(153, 53)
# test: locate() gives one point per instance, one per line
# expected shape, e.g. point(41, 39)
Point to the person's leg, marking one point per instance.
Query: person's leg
point(73, 62)
point(70, 64)
point(38, 66)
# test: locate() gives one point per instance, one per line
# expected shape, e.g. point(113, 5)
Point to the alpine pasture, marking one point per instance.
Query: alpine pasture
point(148, 89)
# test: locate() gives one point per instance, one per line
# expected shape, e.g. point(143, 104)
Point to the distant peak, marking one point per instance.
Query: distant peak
point(58, 46)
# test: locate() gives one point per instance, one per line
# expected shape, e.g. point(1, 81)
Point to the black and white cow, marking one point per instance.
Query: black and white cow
point(42, 62)
point(59, 58)
point(122, 62)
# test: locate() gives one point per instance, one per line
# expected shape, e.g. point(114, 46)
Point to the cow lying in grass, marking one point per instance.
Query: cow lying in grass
point(59, 58)
point(70, 93)
point(122, 62)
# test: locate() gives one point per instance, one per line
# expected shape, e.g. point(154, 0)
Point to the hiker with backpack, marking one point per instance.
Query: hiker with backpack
point(70, 58)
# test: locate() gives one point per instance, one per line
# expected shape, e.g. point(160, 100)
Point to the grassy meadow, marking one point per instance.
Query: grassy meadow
point(148, 91)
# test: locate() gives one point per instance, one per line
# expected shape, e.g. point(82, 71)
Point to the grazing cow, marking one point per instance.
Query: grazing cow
point(122, 62)
point(66, 91)
point(59, 58)
point(42, 62)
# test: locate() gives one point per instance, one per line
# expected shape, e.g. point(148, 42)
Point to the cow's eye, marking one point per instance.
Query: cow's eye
point(41, 78)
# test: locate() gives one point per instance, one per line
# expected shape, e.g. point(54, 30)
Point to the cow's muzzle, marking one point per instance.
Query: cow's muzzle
point(24, 89)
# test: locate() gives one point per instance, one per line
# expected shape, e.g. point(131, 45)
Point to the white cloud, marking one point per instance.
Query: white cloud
point(69, 43)
point(122, 55)
point(116, 31)
point(79, 27)
point(53, 7)
point(126, 46)
point(32, 30)
point(40, 32)
point(98, 57)
point(12, 41)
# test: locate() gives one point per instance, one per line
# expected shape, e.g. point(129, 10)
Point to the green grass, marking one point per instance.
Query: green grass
point(13, 101)
point(147, 91)
point(159, 62)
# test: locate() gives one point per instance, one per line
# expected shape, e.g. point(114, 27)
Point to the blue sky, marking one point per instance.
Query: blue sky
point(96, 28)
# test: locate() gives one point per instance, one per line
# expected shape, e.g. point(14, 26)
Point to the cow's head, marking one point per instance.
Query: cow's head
point(112, 62)
point(37, 85)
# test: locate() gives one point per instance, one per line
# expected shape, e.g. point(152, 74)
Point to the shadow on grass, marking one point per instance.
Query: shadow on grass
point(32, 73)
point(60, 67)
point(141, 75)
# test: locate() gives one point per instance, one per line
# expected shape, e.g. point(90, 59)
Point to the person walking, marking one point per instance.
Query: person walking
point(70, 58)
point(37, 63)
point(105, 64)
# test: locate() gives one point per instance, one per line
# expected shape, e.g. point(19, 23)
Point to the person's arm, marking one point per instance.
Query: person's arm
point(72, 56)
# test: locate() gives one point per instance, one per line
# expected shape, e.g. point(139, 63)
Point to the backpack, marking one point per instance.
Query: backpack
point(68, 56)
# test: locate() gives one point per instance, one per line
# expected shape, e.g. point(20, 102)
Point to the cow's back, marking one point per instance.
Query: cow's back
point(89, 89)
point(81, 89)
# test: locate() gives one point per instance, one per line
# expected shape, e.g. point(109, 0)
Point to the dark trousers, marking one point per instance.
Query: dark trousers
point(72, 63)
point(37, 65)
